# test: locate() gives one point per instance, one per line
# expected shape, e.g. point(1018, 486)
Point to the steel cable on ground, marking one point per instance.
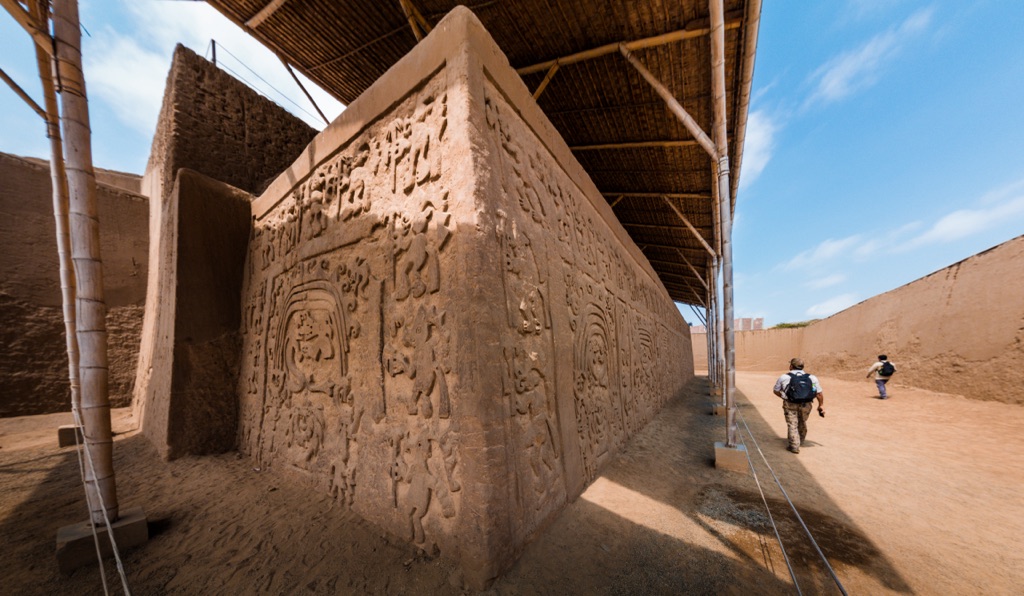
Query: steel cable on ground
point(103, 506)
point(88, 500)
point(771, 518)
point(800, 519)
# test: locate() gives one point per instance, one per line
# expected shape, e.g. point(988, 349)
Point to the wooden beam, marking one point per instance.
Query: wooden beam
point(297, 82)
point(673, 104)
point(547, 79)
point(616, 201)
point(700, 278)
point(407, 9)
point(639, 145)
point(264, 13)
point(689, 225)
point(655, 195)
point(38, 31)
point(25, 96)
point(611, 48)
point(651, 226)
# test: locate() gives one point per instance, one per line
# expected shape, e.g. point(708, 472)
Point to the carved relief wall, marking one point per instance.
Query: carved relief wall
point(346, 351)
point(440, 329)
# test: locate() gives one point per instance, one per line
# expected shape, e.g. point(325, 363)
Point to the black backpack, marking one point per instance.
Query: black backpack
point(887, 369)
point(800, 389)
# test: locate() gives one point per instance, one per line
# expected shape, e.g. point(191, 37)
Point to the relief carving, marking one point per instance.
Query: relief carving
point(419, 353)
point(525, 280)
point(421, 473)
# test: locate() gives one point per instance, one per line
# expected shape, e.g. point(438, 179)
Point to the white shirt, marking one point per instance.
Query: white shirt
point(877, 367)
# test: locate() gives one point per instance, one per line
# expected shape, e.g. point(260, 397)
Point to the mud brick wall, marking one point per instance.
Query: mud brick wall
point(34, 365)
point(959, 330)
point(217, 129)
point(444, 326)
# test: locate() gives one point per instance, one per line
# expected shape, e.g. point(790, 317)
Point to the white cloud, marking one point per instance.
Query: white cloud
point(966, 222)
point(861, 67)
point(826, 282)
point(128, 68)
point(818, 256)
point(832, 305)
point(757, 146)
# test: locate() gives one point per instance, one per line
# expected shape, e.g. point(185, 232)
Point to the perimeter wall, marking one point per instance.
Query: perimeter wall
point(959, 330)
point(33, 353)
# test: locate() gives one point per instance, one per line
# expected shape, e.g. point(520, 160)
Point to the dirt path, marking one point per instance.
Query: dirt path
point(905, 496)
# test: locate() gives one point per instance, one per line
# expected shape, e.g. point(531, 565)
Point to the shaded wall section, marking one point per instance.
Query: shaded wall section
point(33, 366)
point(216, 127)
point(959, 330)
point(445, 327)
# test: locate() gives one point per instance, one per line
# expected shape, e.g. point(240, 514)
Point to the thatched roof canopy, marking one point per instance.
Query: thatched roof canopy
point(635, 150)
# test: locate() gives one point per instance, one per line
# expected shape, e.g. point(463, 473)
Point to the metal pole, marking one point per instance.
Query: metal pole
point(213, 44)
point(725, 208)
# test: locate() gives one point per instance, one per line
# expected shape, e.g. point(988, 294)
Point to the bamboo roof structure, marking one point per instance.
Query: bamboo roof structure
point(575, 55)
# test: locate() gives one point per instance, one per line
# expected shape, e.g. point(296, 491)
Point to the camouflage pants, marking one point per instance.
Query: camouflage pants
point(796, 420)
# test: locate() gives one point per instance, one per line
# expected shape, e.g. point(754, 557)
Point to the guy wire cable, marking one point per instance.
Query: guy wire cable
point(800, 519)
point(775, 528)
point(88, 500)
point(106, 521)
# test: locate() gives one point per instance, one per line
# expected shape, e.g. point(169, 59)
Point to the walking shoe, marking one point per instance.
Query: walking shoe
point(792, 449)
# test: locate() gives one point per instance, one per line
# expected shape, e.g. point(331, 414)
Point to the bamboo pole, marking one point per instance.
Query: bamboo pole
point(750, 31)
point(412, 20)
point(547, 79)
point(637, 145)
point(29, 24)
point(264, 13)
point(655, 195)
point(689, 225)
point(611, 48)
point(90, 306)
point(673, 104)
point(700, 277)
point(617, 201)
point(59, 184)
point(725, 208)
point(297, 82)
point(21, 93)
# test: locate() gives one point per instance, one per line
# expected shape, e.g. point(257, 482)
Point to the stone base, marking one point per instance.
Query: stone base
point(718, 410)
point(75, 547)
point(733, 459)
point(716, 392)
point(66, 435)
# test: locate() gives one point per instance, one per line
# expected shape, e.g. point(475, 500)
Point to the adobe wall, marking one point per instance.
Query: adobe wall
point(215, 127)
point(959, 330)
point(34, 369)
point(444, 325)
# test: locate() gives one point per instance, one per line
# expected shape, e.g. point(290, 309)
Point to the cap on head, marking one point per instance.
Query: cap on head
point(882, 357)
point(796, 363)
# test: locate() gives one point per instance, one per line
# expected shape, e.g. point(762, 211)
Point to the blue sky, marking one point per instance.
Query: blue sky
point(884, 143)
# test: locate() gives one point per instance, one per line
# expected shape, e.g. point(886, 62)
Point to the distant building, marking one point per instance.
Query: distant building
point(744, 324)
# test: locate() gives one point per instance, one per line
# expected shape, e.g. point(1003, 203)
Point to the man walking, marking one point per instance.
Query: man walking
point(882, 370)
point(798, 390)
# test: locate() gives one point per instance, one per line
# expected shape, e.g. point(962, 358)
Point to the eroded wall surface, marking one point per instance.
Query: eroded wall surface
point(216, 127)
point(34, 366)
point(443, 324)
point(959, 330)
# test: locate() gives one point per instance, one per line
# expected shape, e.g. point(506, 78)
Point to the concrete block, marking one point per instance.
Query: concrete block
point(733, 459)
point(66, 435)
point(718, 410)
point(75, 547)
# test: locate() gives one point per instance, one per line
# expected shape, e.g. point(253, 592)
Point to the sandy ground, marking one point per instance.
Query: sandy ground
point(917, 494)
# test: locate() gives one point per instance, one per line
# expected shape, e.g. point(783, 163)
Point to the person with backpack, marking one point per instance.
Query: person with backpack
point(798, 390)
point(883, 369)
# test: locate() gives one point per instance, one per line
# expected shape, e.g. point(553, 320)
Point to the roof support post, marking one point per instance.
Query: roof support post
point(90, 306)
point(407, 9)
point(295, 78)
point(725, 208)
point(682, 217)
point(673, 104)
